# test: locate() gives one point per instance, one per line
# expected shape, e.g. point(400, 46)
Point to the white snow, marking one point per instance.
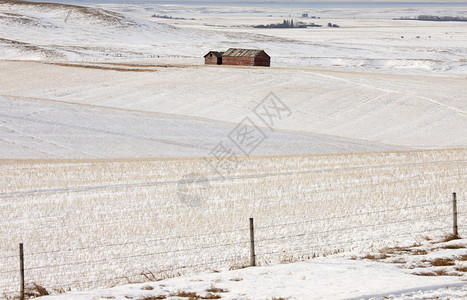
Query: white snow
point(104, 110)
point(102, 58)
point(68, 32)
point(328, 278)
point(322, 278)
point(399, 110)
point(367, 39)
point(50, 129)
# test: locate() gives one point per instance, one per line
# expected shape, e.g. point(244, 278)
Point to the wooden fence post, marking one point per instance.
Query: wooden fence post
point(21, 272)
point(252, 244)
point(455, 231)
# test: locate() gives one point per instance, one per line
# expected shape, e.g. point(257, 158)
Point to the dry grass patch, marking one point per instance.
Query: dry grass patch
point(452, 247)
point(463, 258)
point(236, 279)
point(195, 296)
point(35, 290)
point(98, 67)
point(419, 252)
point(399, 260)
point(395, 251)
point(461, 269)
point(160, 297)
point(450, 237)
point(186, 294)
point(214, 289)
point(210, 296)
point(237, 267)
point(444, 272)
point(441, 262)
point(150, 276)
point(147, 288)
point(376, 256)
point(425, 274)
point(287, 260)
point(440, 272)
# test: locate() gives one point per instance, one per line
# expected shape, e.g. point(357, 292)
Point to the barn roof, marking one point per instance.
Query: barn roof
point(242, 52)
point(215, 53)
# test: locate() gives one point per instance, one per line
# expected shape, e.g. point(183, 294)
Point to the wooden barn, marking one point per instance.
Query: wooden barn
point(246, 57)
point(213, 58)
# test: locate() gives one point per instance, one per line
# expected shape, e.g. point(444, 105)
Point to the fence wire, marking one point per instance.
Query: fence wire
point(231, 249)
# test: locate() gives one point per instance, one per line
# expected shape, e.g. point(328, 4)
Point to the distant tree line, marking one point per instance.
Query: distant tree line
point(288, 24)
point(170, 17)
point(434, 18)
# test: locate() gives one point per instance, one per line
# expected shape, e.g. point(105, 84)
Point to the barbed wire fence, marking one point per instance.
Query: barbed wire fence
point(67, 269)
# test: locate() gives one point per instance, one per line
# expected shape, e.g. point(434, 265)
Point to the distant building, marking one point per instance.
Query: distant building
point(246, 57)
point(213, 58)
point(238, 57)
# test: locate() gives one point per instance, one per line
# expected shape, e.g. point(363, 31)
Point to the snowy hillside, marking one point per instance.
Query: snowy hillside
point(119, 57)
point(402, 111)
point(49, 129)
point(34, 30)
point(107, 32)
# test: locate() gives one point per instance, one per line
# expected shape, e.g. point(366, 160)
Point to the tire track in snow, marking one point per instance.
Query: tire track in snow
point(113, 133)
point(219, 178)
point(459, 111)
point(54, 144)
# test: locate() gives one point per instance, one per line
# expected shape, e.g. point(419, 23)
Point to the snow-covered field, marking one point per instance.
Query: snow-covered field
point(107, 114)
point(327, 278)
point(101, 223)
point(399, 110)
point(104, 58)
point(370, 41)
point(36, 128)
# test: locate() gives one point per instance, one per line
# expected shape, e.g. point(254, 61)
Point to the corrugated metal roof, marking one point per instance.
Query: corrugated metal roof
point(242, 52)
point(215, 53)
